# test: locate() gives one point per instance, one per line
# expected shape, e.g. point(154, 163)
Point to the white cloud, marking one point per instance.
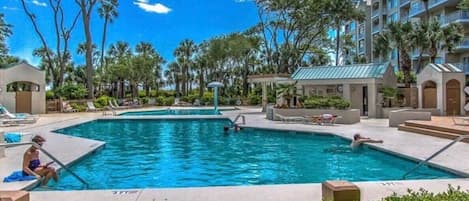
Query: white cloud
point(242, 1)
point(155, 8)
point(38, 3)
point(9, 8)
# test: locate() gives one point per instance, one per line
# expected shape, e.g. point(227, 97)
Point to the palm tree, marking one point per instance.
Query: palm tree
point(442, 37)
point(287, 92)
point(382, 46)
point(184, 54)
point(108, 11)
point(341, 11)
point(419, 41)
point(400, 35)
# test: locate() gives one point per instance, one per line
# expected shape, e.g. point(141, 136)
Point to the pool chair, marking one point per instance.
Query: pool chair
point(66, 107)
point(91, 108)
point(8, 118)
point(118, 106)
point(324, 119)
point(290, 119)
point(196, 102)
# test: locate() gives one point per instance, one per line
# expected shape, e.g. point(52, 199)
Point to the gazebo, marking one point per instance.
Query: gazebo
point(265, 79)
point(23, 89)
point(440, 86)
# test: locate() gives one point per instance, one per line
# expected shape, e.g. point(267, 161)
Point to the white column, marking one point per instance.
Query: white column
point(372, 100)
point(346, 93)
point(264, 96)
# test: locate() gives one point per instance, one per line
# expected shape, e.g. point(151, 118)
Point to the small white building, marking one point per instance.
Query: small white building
point(359, 84)
point(440, 86)
point(23, 89)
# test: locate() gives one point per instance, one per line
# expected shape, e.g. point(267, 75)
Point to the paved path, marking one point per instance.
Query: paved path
point(414, 146)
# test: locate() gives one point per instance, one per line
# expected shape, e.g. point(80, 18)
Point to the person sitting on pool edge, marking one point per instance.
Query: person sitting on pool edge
point(32, 165)
point(358, 140)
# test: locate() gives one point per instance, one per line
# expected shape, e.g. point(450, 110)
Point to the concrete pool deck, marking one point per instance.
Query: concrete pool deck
point(405, 144)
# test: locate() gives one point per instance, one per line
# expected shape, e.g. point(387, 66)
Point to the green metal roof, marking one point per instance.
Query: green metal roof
point(356, 71)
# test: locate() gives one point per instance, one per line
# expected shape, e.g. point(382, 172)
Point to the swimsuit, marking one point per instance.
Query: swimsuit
point(33, 164)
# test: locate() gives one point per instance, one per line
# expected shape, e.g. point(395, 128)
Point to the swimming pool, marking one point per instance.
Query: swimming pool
point(175, 112)
point(194, 153)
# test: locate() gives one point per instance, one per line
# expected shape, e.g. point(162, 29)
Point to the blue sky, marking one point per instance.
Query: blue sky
point(164, 23)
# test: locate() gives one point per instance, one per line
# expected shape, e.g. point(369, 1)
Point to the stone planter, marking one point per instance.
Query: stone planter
point(349, 116)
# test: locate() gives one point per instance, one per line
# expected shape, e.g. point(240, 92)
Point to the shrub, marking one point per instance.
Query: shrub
point(207, 98)
point(160, 100)
point(191, 98)
point(102, 101)
point(71, 91)
point(317, 102)
point(400, 77)
point(451, 194)
point(50, 95)
point(144, 100)
point(254, 99)
point(312, 103)
point(168, 101)
point(341, 104)
point(78, 107)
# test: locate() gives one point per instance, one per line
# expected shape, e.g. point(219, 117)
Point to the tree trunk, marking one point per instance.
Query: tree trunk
point(245, 80)
point(337, 43)
point(201, 83)
point(86, 13)
point(147, 89)
point(103, 41)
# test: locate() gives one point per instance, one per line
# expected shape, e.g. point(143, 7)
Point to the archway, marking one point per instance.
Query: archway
point(429, 98)
point(453, 97)
point(23, 96)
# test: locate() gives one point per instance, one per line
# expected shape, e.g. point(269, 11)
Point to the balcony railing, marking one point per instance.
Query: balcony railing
point(464, 43)
point(375, 28)
point(404, 2)
point(416, 8)
point(361, 35)
point(361, 50)
point(456, 17)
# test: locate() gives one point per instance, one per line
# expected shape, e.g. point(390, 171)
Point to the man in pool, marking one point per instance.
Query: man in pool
point(358, 140)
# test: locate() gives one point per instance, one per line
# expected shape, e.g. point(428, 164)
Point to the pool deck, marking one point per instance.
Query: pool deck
point(409, 145)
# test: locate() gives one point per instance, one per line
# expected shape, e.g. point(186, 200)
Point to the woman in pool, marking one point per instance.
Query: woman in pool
point(358, 140)
point(32, 165)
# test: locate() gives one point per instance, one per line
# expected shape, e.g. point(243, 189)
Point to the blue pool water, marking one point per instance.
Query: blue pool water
point(190, 153)
point(174, 112)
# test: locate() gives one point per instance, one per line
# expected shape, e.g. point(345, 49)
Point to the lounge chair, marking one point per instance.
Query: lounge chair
point(196, 102)
point(91, 108)
point(8, 118)
point(66, 107)
point(324, 119)
point(116, 105)
point(290, 119)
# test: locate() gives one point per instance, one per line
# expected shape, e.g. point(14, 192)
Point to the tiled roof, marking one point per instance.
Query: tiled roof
point(357, 71)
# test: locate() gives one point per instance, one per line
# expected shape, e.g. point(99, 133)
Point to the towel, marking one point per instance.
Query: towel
point(12, 137)
point(18, 176)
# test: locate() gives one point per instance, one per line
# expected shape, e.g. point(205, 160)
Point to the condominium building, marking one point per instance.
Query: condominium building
point(379, 13)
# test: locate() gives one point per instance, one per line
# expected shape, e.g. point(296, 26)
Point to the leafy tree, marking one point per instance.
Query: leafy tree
point(5, 32)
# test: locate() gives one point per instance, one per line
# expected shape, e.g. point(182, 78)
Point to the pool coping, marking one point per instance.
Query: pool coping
point(230, 117)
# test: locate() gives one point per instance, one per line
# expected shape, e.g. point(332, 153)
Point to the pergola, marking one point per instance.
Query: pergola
point(265, 79)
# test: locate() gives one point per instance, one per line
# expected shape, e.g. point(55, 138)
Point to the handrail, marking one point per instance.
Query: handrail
point(50, 156)
point(238, 116)
point(435, 154)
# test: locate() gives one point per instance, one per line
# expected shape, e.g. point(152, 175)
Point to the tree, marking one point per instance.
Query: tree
point(342, 11)
point(62, 35)
point(464, 4)
point(107, 11)
point(289, 29)
point(86, 7)
point(5, 32)
point(184, 54)
point(443, 37)
point(382, 46)
point(400, 36)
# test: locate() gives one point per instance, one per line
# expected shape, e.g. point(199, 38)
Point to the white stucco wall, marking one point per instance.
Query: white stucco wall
point(430, 74)
point(27, 73)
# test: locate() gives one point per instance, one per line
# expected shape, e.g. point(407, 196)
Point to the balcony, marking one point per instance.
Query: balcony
point(361, 35)
point(463, 45)
point(458, 16)
point(404, 3)
point(361, 50)
point(417, 8)
point(375, 29)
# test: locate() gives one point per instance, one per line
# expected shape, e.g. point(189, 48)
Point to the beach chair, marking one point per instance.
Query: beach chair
point(66, 107)
point(290, 119)
point(8, 118)
point(116, 105)
point(196, 102)
point(91, 108)
point(326, 119)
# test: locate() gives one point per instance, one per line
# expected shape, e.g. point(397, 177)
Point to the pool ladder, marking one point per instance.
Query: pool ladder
point(242, 118)
point(52, 157)
point(462, 137)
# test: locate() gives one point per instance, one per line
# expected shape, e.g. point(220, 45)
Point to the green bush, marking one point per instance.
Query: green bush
point(400, 77)
point(207, 98)
point(191, 98)
point(160, 100)
point(317, 102)
point(78, 107)
point(254, 99)
point(50, 95)
point(423, 195)
point(142, 94)
point(168, 101)
point(71, 91)
point(144, 100)
point(102, 101)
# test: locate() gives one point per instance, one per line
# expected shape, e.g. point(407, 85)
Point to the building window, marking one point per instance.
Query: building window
point(392, 4)
point(393, 17)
